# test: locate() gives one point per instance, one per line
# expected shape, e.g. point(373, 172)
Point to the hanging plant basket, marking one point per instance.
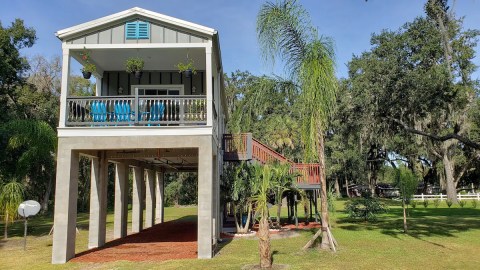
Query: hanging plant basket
point(188, 73)
point(86, 74)
point(138, 74)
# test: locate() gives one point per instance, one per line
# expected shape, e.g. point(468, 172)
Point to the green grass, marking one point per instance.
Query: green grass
point(446, 238)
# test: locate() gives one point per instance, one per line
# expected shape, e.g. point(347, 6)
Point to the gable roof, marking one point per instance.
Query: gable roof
point(67, 32)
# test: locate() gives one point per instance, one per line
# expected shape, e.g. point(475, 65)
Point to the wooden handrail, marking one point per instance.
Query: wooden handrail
point(244, 147)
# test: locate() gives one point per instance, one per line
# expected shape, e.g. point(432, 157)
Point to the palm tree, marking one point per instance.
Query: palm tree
point(37, 143)
point(283, 181)
point(262, 187)
point(11, 196)
point(285, 32)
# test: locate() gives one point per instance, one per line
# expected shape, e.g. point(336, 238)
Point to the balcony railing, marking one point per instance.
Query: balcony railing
point(136, 111)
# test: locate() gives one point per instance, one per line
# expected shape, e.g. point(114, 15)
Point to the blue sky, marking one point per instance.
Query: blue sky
point(349, 22)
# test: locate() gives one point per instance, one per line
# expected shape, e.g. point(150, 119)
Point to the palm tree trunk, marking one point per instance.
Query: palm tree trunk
point(404, 217)
point(264, 244)
point(323, 194)
point(5, 232)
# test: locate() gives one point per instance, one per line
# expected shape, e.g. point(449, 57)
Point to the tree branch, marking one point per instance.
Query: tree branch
point(443, 138)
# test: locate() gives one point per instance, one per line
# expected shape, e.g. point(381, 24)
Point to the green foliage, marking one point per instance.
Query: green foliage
point(449, 203)
point(181, 188)
point(366, 208)
point(425, 203)
point(436, 203)
point(407, 183)
point(11, 196)
point(474, 203)
point(89, 67)
point(134, 64)
point(462, 203)
point(413, 204)
point(186, 66)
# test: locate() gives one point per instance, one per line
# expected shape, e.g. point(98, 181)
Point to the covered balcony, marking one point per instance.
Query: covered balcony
point(162, 96)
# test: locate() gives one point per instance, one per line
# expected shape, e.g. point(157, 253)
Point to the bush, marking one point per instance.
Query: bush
point(474, 203)
point(436, 203)
point(366, 208)
point(449, 203)
point(462, 203)
point(425, 203)
point(413, 204)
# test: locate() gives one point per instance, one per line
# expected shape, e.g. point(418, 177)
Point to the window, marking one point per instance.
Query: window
point(137, 30)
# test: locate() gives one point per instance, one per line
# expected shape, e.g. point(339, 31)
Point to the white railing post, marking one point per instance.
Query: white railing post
point(478, 196)
point(459, 196)
point(423, 198)
point(441, 197)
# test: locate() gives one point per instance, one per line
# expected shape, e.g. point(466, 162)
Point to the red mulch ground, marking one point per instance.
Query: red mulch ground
point(171, 240)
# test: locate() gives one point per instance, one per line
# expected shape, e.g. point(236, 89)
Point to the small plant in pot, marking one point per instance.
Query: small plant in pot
point(88, 69)
point(187, 68)
point(135, 66)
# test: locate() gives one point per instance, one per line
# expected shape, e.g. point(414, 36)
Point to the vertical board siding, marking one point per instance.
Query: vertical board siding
point(152, 33)
point(112, 80)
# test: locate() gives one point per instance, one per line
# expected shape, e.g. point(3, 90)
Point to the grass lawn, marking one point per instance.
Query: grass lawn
point(439, 238)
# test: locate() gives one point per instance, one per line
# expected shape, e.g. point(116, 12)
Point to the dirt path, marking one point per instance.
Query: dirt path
point(168, 241)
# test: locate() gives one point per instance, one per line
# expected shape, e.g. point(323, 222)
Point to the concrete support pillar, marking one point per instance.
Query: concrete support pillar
point(150, 199)
point(64, 84)
point(98, 202)
point(214, 199)
point(137, 199)
point(205, 207)
point(65, 217)
point(159, 198)
point(121, 204)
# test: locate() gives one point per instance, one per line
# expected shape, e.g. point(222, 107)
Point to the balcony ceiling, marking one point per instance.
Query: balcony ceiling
point(155, 59)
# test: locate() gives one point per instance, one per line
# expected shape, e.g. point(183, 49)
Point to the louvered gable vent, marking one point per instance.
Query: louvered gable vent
point(137, 30)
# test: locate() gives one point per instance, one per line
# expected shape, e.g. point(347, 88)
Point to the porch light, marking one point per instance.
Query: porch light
point(120, 90)
point(194, 89)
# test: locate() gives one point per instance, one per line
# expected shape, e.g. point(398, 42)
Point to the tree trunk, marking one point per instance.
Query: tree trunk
point(346, 187)
point(264, 244)
point(450, 179)
point(404, 217)
point(323, 195)
point(5, 232)
point(46, 196)
point(337, 187)
point(279, 210)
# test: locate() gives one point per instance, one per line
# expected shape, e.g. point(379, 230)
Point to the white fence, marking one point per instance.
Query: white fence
point(472, 196)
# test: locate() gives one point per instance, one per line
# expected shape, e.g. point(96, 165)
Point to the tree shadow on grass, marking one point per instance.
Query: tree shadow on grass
point(422, 223)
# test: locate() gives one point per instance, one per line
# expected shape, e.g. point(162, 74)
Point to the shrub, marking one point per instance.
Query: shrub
point(366, 208)
point(462, 203)
point(474, 203)
point(436, 203)
point(425, 203)
point(449, 203)
point(413, 204)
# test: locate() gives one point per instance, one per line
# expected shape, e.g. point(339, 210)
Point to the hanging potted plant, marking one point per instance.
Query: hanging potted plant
point(187, 68)
point(88, 69)
point(134, 65)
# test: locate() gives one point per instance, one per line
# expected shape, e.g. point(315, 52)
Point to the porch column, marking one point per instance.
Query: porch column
point(65, 218)
point(98, 86)
point(64, 85)
point(208, 83)
point(205, 207)
point(121, 204)
point(98, 202)
point(137, 199)
point(159, 198)
point(150, 199)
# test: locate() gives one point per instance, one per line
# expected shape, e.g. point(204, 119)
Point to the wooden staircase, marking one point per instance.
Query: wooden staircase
point(243, 147)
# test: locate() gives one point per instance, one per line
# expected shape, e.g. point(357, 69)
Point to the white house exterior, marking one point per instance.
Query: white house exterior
point(161, 122)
